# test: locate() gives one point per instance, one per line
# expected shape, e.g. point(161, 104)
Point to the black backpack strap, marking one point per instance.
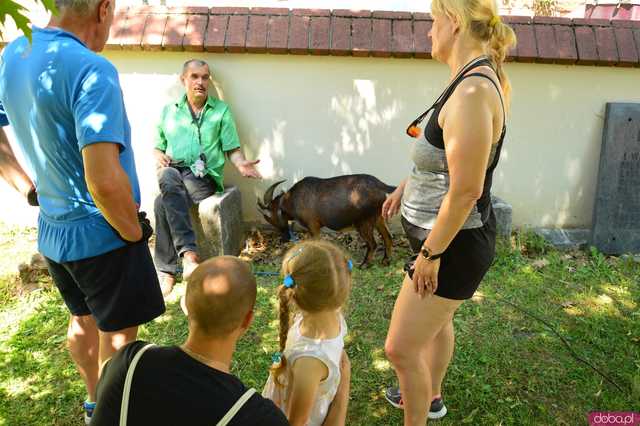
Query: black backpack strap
point(478, 62)
point(479, 74)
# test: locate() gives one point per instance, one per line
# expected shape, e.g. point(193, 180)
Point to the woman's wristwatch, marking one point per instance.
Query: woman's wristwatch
point(428, 255)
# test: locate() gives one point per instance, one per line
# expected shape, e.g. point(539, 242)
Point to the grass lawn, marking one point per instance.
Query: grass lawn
point(508, 368)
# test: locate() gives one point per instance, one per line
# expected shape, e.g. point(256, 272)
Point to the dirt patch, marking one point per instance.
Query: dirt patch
point(266, 247)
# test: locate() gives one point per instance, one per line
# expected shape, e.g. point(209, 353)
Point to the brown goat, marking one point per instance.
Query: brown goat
point(338, 203)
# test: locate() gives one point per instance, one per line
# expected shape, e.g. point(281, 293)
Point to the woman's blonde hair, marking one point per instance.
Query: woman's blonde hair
point(320, 280)
point(480, 18)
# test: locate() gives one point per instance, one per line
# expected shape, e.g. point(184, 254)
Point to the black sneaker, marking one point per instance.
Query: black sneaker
point(436, 411)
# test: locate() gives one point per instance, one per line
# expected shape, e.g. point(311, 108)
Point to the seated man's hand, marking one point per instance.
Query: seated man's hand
point(162, 159)
point(248, 169)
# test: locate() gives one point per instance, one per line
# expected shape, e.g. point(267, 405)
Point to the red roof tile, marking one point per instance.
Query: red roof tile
point(195, 33)
point(174, 32)
point(361, 37)
point(587, 48)
point(606, 45)
point(257, 34)
point(236, 34)
point(319, 36)
point(299, 35)
point(216, 33)
point(381, 43)
point(627, 49)
point(278, 34)
point(421, 39)
point(402, 44)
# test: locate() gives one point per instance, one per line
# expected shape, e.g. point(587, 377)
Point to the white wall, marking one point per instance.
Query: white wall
point(325, 116)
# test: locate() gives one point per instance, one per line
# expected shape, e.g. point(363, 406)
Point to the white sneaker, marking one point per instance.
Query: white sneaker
point(187, 268)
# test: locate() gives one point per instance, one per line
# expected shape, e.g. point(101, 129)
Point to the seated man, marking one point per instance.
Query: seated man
point(191, 384)
point(194, 135)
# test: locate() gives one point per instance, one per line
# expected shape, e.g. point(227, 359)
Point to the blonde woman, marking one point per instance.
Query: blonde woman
point(445, 202)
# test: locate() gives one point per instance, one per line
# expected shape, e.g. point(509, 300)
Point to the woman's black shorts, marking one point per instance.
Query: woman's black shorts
point(466, 260)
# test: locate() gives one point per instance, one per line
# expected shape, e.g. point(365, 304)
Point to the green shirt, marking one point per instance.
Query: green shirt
point(177, 135)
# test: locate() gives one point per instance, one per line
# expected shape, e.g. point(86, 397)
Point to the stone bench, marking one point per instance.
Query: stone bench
point(217, 222)
point(504, 215)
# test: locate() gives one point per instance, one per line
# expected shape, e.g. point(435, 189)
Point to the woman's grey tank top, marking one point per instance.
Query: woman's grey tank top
point(429, 180)
point(428, 184)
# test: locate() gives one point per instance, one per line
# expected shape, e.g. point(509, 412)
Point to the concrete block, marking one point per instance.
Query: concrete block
point(565, 239)
point(504, 214)
point(217, 221)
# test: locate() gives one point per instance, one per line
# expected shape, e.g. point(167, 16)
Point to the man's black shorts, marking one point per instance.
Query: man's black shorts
point(119, 288)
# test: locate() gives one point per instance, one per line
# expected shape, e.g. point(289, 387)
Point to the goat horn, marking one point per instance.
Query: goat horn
point(264, 212)
point(268, 195)
point(261, 206)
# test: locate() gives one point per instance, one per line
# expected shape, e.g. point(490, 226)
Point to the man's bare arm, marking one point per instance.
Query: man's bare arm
point(110, 188)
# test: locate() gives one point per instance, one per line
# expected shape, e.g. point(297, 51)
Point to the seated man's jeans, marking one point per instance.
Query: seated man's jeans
point(179, 190)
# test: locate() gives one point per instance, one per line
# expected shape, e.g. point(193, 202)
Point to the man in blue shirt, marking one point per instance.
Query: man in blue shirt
point(65, 106)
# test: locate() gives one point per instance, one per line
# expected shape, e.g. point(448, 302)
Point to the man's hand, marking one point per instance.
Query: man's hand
point(145, 227)
point(32, 196)
point(162, 159)
point(248, 169)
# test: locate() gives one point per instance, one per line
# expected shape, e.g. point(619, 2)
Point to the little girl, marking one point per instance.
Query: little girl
point(305, 375)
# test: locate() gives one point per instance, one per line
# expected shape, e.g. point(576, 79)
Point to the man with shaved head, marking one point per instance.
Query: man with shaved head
point(190, 384)
point(194, 136)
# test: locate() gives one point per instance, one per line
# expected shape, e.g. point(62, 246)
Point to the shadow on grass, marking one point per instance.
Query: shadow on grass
point(39, 382)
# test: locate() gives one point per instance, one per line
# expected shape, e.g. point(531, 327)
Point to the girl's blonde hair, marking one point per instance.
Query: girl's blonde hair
point(321, 280)
point(480, 18)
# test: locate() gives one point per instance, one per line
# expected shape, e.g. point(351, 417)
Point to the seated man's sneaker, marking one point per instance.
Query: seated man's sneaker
point(437, 410)
point(183, 305)
point(88, 411)
point(188, 265)
point(167, 281)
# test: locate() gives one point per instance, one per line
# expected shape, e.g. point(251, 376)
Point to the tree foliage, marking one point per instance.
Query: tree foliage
point(17, 12)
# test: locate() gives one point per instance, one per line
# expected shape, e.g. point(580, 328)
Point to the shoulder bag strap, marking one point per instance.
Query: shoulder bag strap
point(236, 407)
point(126, 391)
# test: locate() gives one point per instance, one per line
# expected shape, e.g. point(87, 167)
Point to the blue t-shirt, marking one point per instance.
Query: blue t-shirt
point(59, 97)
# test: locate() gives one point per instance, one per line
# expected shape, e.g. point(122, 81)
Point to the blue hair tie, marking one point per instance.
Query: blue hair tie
point(276, 357)
point(288, 281)
point(350, 265)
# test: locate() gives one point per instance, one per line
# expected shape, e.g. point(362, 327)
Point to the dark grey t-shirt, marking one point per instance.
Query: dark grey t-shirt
point(171, 388)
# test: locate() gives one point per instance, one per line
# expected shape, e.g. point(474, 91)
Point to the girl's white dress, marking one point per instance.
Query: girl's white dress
point(328, 351)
